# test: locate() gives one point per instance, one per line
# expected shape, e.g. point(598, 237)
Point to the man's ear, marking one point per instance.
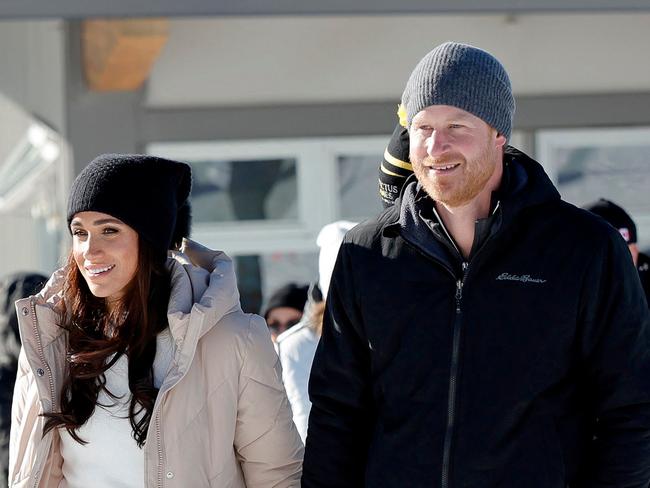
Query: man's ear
point(500, 140)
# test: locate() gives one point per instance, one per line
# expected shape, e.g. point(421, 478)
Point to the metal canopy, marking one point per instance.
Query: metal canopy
point(76, 9)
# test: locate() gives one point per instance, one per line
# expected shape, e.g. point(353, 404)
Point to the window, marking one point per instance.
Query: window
point(610, 163)
point(357, 186)
point(264, 201)
point(231, 191)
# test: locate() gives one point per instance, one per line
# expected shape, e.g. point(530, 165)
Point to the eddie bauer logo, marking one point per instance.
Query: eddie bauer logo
point(522, 278)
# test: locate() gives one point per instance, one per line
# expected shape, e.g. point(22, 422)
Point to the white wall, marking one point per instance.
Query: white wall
point(32, 74)
point(32, 67)
point(235, 61)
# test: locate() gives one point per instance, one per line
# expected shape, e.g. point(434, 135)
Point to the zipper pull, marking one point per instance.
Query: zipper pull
point(459, 285)
point(459, 294)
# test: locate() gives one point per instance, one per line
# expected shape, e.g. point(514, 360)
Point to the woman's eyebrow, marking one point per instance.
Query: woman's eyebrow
point(77, 223)
point(107, 221)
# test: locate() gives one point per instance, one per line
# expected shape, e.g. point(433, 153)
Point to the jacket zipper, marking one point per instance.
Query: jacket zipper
point(455, 360)
point(160, 451)
point(156, 414)
point(455, 357)
point(41, 356)
point(453, 377)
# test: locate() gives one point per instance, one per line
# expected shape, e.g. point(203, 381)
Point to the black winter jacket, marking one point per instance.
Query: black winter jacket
point(526, 367)
point(643, 267)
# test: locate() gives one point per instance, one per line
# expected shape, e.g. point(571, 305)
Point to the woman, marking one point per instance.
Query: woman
point(142, 370)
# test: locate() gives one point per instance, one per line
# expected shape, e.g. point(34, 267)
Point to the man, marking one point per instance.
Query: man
point(621, 221)
point(481, 332)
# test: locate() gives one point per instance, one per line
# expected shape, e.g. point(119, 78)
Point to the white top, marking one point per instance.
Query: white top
point(112, 458)
point(296, 348)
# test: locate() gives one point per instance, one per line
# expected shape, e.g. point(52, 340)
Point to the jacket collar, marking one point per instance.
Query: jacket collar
point(525, 185)
point(529, 185)
point(204, 290)
point(204, 283)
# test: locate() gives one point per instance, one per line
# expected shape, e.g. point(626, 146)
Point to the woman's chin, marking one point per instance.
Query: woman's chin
point(99, 291)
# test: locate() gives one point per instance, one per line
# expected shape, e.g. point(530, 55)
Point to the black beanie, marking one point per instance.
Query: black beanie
point(291, 295)
point(395, 167)
point(147, 193)
point(616, 216)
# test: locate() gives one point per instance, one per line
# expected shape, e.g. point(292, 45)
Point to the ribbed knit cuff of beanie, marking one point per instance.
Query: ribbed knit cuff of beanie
point(465, 77)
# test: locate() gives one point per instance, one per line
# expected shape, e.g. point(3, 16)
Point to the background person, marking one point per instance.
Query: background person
point(621, 221)
point(140, 368)
point(395, 167)
point(285, 308)
point(296, 346)
point(12, 287)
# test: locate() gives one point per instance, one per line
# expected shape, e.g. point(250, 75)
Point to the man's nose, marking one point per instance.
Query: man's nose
point(437, 143)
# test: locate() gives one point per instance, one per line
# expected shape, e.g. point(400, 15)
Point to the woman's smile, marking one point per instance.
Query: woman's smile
point(97, 271)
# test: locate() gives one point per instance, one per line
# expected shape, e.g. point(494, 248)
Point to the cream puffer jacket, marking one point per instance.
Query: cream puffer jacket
point(221, 418)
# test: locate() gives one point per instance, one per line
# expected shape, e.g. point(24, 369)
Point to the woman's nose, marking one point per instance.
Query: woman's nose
point(92, 247)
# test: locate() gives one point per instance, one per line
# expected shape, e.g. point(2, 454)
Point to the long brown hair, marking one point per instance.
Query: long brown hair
point(97, 338)
point(315, 317)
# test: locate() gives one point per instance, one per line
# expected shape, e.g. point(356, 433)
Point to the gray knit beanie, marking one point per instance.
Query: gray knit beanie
point(462, 76)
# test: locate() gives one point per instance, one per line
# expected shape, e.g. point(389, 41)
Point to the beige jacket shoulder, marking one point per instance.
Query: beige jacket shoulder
point(221, 418)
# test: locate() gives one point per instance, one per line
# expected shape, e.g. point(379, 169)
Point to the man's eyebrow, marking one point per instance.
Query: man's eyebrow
point(461, 115)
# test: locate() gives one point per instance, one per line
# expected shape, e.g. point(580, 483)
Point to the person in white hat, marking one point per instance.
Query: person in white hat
point(297, 345)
